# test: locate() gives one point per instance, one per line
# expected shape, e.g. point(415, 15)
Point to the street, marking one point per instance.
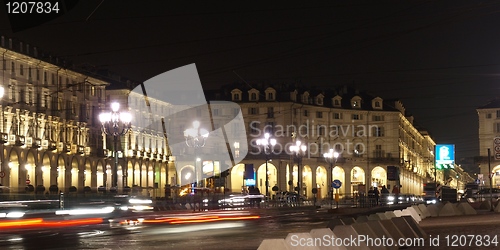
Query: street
point(234, 234)
point(190, 230)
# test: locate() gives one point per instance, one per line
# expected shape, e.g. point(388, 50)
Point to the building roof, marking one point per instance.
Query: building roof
point(495, 103)
point(284, 90)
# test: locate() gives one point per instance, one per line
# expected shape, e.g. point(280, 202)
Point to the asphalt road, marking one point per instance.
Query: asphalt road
point(457, 232)
point(238, 234)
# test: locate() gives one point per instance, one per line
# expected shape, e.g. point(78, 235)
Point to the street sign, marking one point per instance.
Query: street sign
point(336, 184)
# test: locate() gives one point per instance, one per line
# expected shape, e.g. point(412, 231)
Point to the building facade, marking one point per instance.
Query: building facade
point(369, 134)
point(489, 129)
point(48, 127)
point(51, 137)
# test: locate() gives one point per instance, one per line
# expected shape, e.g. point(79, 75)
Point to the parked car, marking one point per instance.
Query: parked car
point(484, 194)
point(4, 189)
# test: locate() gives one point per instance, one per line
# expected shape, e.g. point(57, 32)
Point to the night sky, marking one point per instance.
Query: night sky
point(442, 59)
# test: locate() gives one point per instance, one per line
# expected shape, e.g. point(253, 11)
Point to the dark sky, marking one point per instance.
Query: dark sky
point(442, 59)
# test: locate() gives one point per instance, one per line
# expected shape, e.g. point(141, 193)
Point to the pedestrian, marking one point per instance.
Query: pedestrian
point(395, 189)
point(384, 190)
point(376, 193)
point(371, 197)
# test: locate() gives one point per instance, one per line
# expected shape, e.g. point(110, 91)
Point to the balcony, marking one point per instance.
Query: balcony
point(63, 147)
point(49, 145)
point(80, 149)
point(19, 140)
point(102, 153)
point(52, 146)
point(4, 138)
point(33, 142)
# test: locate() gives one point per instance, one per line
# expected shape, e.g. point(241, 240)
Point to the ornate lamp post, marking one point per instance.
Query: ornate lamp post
point(2, 140)
point(116, 124)
point(331, 157)
point(299, 150)
point(196, 138)
point(267, 142)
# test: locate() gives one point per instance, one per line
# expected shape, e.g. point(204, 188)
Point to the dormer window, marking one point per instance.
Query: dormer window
point(270, 94)
point(356, 102)
point(336, 101)
point(305, 97)
point(253, 95)
point(377, 103)
point(319, 100)
point(236, 95)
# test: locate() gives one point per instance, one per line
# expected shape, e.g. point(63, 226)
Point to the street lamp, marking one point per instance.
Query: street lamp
point(2, 140)
point(331, 157)
point(116, 124)
point(299, 150)
point(267, 142)
point(196, 138)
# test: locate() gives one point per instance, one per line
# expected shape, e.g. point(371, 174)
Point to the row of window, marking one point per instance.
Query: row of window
point(90, 90)
point(318, 100)
point(490, 115)
point(254, 128)
point(319, 114)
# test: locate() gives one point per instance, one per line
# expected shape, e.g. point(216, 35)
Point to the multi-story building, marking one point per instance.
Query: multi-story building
point(50, 134)
point(489, 130)
point(368, 132)
point(48, 125)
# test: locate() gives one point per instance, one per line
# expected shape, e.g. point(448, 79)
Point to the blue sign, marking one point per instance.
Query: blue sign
point(445, 154)
point(336, 184)
point(249, 182)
